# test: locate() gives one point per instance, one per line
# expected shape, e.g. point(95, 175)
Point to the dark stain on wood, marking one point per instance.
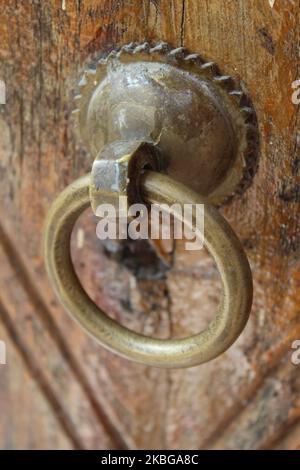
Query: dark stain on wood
point(289, 192)
point(267, 40)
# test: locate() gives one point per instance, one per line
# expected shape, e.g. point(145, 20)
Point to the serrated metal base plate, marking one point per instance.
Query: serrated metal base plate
point(201, 121)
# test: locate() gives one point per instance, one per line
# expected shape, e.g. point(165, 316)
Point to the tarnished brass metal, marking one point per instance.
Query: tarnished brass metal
point(118, 172)
point(221, 242)
point(201, 121)
point(156, 108)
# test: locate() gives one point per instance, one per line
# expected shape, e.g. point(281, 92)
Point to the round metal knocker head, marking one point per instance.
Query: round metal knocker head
point(200, 121)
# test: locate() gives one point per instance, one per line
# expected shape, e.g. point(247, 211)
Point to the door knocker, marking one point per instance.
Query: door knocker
point(163, 126)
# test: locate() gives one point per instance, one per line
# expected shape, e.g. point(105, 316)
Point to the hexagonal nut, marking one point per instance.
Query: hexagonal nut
point(116, 172)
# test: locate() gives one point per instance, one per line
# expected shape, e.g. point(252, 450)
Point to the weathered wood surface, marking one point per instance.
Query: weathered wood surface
point(60, 389)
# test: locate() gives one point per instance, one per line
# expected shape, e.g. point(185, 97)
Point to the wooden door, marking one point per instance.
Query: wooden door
point(61, 390)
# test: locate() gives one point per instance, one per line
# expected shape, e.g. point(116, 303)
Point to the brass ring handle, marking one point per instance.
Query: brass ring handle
point(221, 242)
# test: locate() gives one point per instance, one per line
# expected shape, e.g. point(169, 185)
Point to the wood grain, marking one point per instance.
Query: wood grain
point(247, 398)
point(38, 427)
